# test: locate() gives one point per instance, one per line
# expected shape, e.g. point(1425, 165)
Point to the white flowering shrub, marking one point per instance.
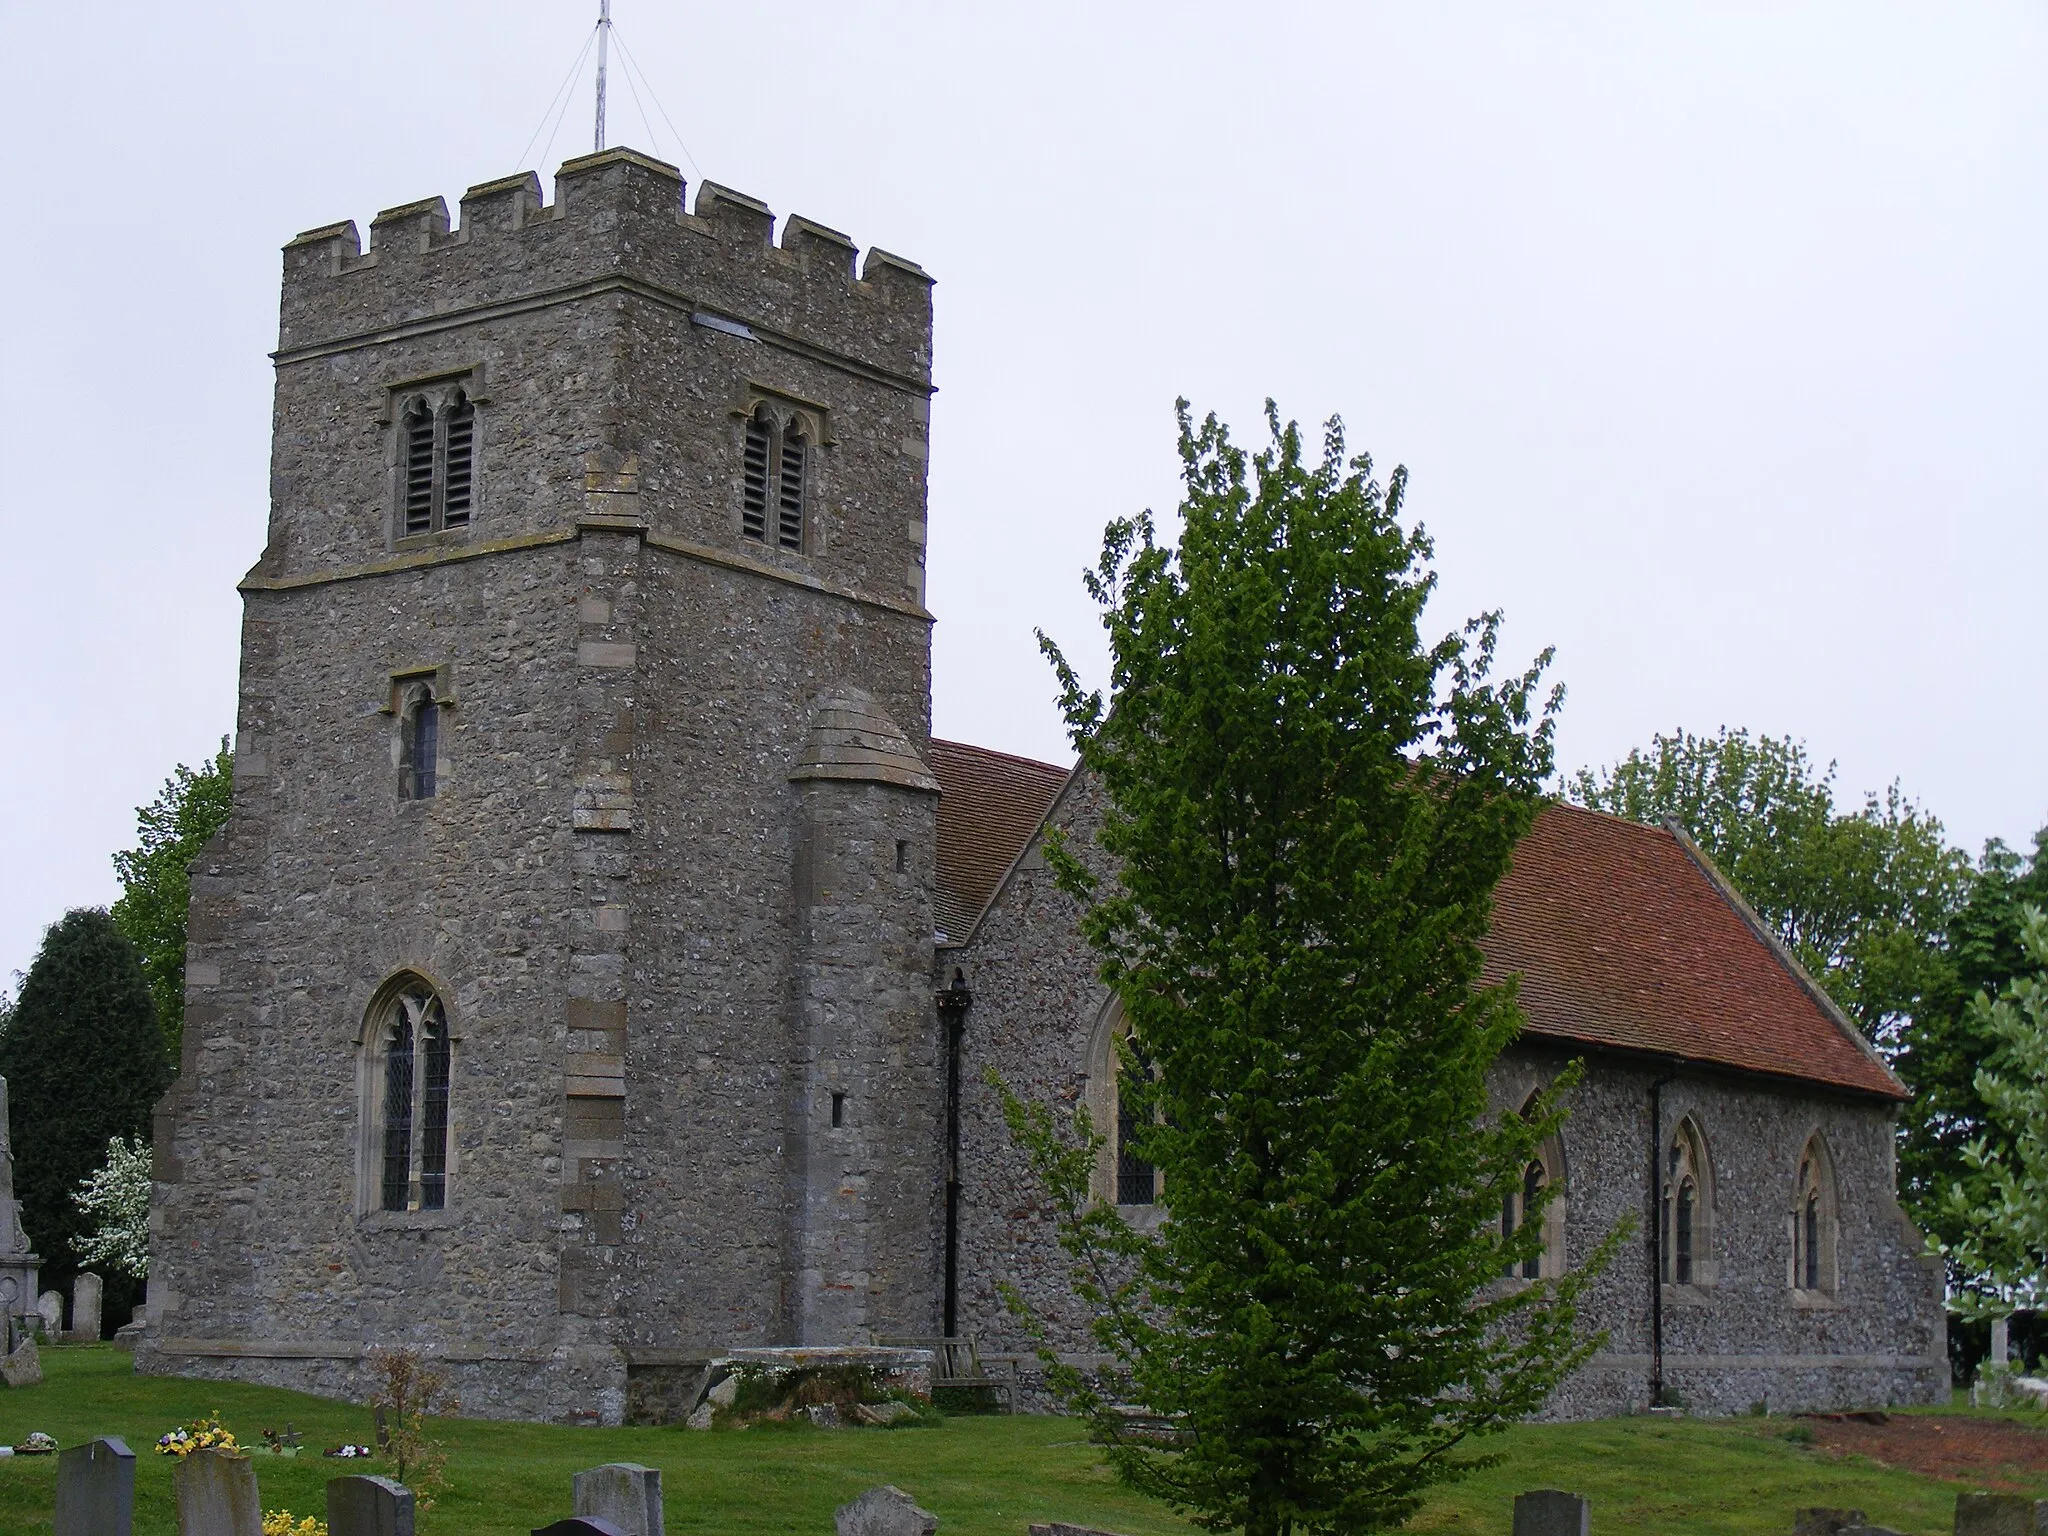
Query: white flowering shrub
point(115, 1203)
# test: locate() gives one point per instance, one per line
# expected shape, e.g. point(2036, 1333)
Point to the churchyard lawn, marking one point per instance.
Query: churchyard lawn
point(983, 1476)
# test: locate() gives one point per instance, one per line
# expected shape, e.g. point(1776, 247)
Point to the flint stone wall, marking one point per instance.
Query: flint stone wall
point(1039, 1019)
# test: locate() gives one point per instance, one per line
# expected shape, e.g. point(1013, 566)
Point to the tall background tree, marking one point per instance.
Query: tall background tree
point(1950, 1039)
point(156, 883)
point(1308, 807)
point(84, 1062)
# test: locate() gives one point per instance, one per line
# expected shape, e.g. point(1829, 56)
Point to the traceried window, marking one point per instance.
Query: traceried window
point(1686, 1209)
point(437, 463)
point(773, 461)
point(1544, 1173)
point(1814, 1225)
point(419, 754)
point(409, 1079)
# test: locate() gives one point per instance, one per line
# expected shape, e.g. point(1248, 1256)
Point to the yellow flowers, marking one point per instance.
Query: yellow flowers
point(207, 1434)
point(281, 1522)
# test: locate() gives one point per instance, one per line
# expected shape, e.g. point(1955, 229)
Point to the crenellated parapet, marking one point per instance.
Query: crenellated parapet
point(619, 219)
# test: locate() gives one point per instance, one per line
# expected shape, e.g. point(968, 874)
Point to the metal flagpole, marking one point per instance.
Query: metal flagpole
point(604, 37)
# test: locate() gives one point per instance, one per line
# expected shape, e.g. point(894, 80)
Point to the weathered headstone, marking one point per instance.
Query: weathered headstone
point(883, 1414)
point(623, 1492)
point(884, 1511)
point(50, 1307)
point(368, 1506)
point(96, 1490)
point(86, 1291)
point(23, 1368)
point(1547, 1512)
point(217, 1495)
point(581, 1525)
point(2000, 1514)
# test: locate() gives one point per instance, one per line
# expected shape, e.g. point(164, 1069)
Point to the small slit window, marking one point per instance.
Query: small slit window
point(420, 746)
point(773, 461)
point(409, 1099)
point(436, 463)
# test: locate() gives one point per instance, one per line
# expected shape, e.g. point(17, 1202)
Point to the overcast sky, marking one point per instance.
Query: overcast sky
point(1713, 336)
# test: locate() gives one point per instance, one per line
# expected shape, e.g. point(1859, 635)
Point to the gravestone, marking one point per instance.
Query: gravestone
point(2000, 1514)
point(50, 1307)
point(884, 1511)
point(623, 1492)
point(581, 1525)
point(23, 1368)
point(1547, 1512)
point(1061, 1528)
point(368, 1506)
point(217, 1495)
point(86, 1292)
point(96, 1490)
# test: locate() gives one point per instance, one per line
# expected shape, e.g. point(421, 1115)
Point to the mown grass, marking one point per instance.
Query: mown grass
point(983, 1476)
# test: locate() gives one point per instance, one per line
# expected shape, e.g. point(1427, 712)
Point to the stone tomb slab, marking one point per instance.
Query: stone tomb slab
point(1550, 1512)
point(2000, 1514)
point(217, 1495)
point(884, 1511)
point(96, 1489)
point(623, 1492)
point(368, 1506)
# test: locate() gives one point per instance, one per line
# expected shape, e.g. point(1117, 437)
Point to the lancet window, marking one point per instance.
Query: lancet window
point(1686, 1208)
point(773, 464)
point(437, 463)
point(1813, 1220)
point(411, 1061)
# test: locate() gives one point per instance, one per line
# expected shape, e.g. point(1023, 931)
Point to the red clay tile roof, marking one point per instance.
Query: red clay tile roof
point(1622, 939)
point(989, 805)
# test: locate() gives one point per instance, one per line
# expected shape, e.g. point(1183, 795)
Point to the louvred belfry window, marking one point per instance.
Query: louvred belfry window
point(412, 1087)
point(773, 459)
point(437, 463)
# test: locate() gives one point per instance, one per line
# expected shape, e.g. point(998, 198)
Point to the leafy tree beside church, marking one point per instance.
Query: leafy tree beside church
point(156, 883)
point(1308, 808)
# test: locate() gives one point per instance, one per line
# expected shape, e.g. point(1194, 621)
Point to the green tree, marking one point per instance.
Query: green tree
point(1307, 809)
point(84, 1062)
point(1862, 897)
point(2002, 1222)
point(156, 884)
point(1949, 1039)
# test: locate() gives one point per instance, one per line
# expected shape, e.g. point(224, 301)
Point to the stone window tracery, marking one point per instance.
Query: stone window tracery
point(1686, 1208)
point(773, 480)
point(436, 462)
point(1813, 1220)
point(409, 1076)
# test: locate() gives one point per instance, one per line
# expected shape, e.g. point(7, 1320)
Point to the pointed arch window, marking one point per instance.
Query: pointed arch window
point(774, 457)
point(1543, 1175)
point(1686, 1208)
point(409, 1077)
point(436, 462)
point(1813, 1221)
point(1137, 1181)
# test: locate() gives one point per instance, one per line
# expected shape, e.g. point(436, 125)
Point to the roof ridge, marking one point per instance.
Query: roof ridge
point(1029, 762)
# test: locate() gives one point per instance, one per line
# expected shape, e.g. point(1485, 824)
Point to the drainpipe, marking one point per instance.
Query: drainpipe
point(953, 1003)
point(1657, 1234)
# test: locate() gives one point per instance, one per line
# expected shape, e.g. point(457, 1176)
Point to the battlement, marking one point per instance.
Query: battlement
point(617, 214)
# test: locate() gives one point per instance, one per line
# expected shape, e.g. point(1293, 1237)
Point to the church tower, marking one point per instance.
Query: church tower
point(559, 993)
